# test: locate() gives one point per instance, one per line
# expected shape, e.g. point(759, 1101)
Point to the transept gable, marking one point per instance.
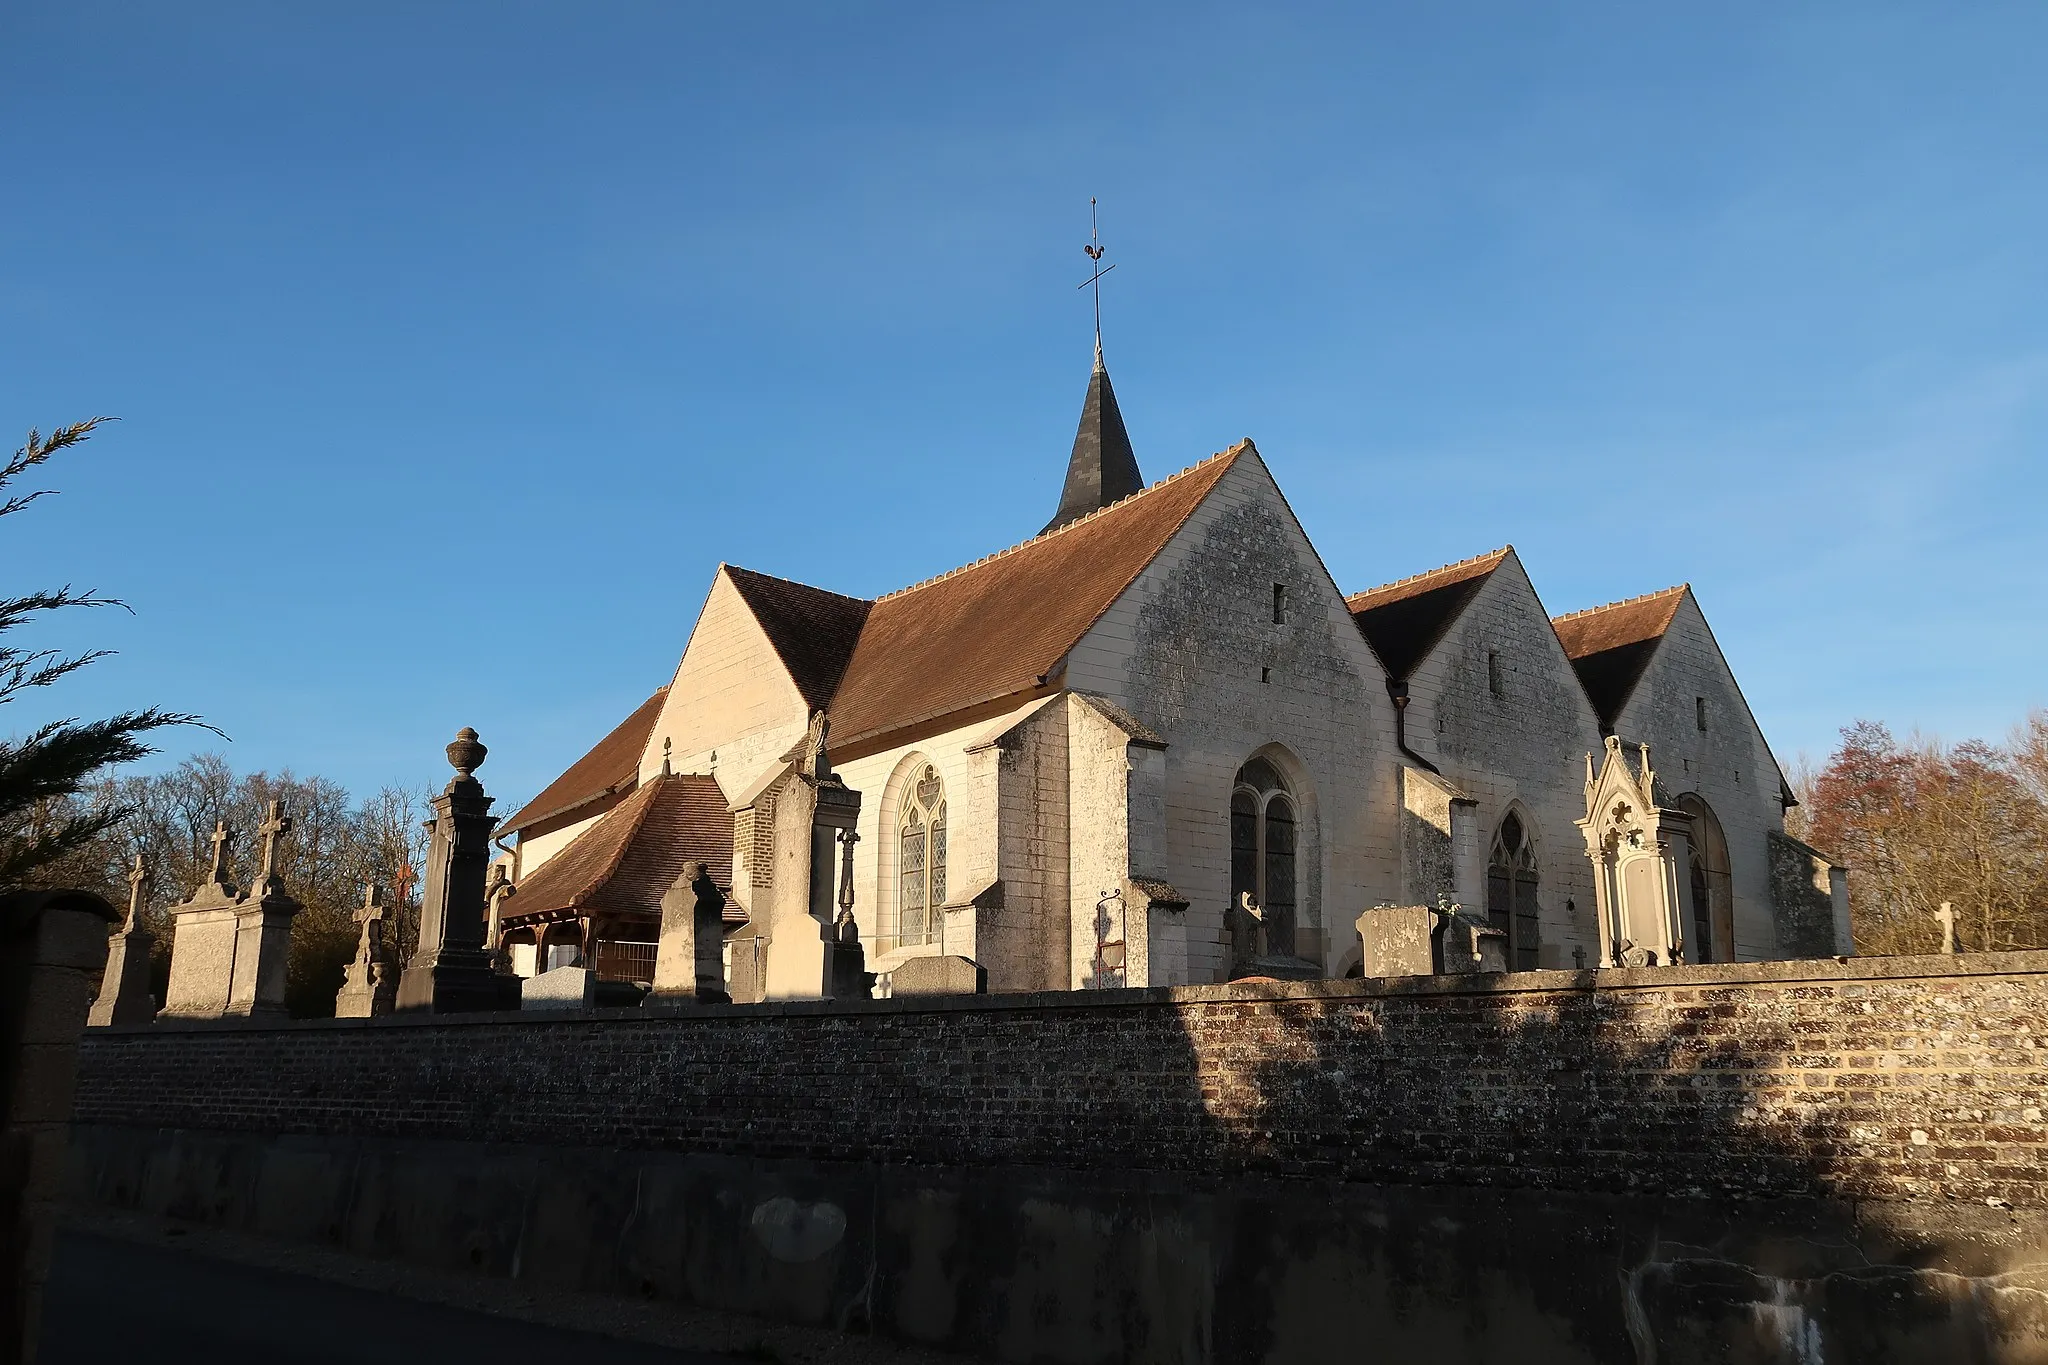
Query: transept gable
point(1001, 626)
point(1405, 620)
point(813, 631)
point(1198, 630)
point(1496, 681)
point(1689, 662)
point(732, 696)
point(1611, 646)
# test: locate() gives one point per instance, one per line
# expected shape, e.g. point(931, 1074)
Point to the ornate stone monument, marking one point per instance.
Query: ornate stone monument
point(451, 971)
point(1640, 846)
point(229, 947)
point(124, 987)
point(370, 986)
point(689, 962)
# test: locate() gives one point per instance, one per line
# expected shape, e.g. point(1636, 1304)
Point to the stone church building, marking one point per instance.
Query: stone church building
point(1156, 744)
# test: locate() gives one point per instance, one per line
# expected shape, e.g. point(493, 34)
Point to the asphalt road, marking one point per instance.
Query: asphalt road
point(115, 1301)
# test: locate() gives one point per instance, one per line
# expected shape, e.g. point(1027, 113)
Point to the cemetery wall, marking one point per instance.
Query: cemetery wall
point(1536, 1166)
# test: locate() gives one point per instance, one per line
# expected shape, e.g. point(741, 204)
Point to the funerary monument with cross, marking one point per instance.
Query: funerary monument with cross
point(1156, 743)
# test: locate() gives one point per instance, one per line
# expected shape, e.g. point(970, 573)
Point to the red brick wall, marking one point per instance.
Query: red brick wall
point(1880, 1078)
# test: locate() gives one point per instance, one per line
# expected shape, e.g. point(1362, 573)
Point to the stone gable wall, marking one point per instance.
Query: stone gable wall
point(1881, 1079)
point(1729, 766)
point(1183, 651)
point(730, 695)
point(1526, 747)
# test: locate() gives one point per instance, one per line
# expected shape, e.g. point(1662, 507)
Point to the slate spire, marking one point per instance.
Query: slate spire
point(1102, 469)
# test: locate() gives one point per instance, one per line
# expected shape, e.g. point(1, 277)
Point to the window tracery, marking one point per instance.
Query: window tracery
point(1262, 849)
point(1511, 884)
point(921, 859)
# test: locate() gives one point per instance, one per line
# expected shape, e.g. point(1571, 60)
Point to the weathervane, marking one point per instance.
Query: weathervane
point(1094, 250)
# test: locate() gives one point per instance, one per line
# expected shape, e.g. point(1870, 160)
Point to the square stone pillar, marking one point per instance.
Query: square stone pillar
point(451, 971)
point(53, 945)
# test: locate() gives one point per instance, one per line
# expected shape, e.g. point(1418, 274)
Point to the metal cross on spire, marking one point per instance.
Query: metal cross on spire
point(1094, 248)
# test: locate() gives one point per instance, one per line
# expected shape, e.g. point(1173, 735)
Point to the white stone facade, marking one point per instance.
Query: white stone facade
point(1088, 829)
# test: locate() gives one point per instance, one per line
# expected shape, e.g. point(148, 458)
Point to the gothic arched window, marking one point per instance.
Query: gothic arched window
point(921, 858)
point(1262, 846)
point(1511, 892)
point(1711, 930)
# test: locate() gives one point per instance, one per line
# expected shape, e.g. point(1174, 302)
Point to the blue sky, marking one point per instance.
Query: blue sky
point(456, 344)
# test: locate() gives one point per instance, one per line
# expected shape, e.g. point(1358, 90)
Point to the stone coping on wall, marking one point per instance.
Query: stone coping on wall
point(1731, 975)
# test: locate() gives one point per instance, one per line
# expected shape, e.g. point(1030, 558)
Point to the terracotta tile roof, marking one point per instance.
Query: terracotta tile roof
point(613, 765)
point(1403, 620)
point(1610, 646)
point(627, 861)
point(814, 631)
point(998, 626)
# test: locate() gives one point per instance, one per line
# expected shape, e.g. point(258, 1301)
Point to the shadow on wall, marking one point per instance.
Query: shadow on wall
point(1666, 1176)
point(1785, 1163)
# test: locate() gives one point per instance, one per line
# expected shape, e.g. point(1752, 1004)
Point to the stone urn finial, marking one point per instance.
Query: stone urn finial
point(467, 752)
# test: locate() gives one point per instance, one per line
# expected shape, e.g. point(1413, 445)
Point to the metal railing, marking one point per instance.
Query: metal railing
point(625, 962)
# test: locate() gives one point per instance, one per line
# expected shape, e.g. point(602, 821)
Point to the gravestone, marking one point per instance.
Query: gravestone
point(1398, 940)
point(941, 975)
point(689, 960)
point(124, 996)
point(229, 947)
point(562, 988)
point(1472, 945)
point(370, 985)
point(451, 970)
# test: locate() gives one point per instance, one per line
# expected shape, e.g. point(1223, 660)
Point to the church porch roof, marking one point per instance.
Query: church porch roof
point(627, 861)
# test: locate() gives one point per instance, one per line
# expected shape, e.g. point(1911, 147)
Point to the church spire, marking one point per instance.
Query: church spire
point(1102, 468)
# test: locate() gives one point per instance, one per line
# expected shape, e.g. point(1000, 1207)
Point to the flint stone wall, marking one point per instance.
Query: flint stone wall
point(1848, 1153)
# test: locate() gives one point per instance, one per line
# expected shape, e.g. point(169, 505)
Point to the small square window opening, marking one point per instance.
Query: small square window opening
point(1265, 675)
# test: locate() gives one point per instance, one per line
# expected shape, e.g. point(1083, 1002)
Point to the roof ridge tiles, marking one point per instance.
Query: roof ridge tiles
point(1245, 444)
point(1623, 602)
point(1465, 563)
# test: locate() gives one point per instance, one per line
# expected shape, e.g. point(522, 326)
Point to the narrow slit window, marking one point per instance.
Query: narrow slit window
point(1265, 675)
point(1279, 604)
point(1699, 712)
point(1494, 682)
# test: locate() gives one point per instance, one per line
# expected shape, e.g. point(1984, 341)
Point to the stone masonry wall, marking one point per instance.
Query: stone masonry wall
point(1728, 765)
point(1523, 749)
point(1879, 1079)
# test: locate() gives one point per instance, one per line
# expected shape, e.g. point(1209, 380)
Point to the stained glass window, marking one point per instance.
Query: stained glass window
point(921, 860)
